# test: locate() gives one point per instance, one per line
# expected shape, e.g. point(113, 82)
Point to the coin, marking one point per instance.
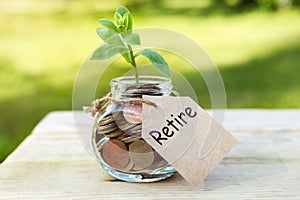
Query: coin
point(158, 162)
point(106, 123)
point(129, 166)
point(130, 139)
point(115, 133)
point(125, 126)
point(98, 137)
point(131, 95)
point(136, 91)
point(101, 142)
point(106, 120)
point(115, 154)
point(108, 128)
point(141, 154)
point(124, 135)
point(135, 130)
point(144, 91)
point(143, 86)
point(133, 113)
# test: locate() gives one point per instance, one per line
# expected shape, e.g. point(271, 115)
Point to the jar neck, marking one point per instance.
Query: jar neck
point(126, 87)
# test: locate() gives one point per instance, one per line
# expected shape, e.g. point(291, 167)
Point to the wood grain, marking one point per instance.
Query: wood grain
point(52, 164)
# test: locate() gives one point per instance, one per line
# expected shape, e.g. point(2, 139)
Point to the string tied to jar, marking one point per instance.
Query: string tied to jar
point(98, 105)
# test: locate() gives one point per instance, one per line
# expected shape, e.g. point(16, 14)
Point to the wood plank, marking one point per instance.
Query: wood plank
point(235, 120)
point(86, 180)
point(52, 164)
point(60, 144)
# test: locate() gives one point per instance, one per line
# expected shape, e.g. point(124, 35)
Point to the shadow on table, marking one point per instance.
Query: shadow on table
point(259, 159)
point(252, 160)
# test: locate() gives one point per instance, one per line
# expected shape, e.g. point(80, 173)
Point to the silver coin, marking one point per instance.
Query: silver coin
point(141, 154)
point(106, 120)
point(106, 128)
point(130, 139)
point(129, 166)
point(114, 134)
point(126, 127)
point(101, 142)
point(124, 135)
point(158, 161)
point(137, 129)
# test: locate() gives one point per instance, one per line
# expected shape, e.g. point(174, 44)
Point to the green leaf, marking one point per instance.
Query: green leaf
point(129, 22)
point(126, 19)
point(117, 17)
point(132, 39)
point(121, 28)
point(107, 51)
point(157, 60)
point(109, 36)
point(122, 10)
point(109, 24)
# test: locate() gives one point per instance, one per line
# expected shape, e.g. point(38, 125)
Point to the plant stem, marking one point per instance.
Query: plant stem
point(134, 64)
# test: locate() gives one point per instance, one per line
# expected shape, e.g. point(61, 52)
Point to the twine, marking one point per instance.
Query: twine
point(98, 105)
point(176, 94)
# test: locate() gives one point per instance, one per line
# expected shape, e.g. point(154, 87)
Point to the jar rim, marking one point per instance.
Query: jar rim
point(130, 80)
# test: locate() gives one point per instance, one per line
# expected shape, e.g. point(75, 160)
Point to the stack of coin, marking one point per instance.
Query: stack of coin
point(118, 134)
point(107, 126)
point(136, 91)
point(128, 117)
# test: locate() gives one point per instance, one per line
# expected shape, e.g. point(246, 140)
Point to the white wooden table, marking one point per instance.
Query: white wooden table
point(52, 164)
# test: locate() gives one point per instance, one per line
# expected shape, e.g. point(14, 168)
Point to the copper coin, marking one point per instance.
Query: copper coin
point(115, 154)
point(125, 126)
point(141, 154)
point(133, 113)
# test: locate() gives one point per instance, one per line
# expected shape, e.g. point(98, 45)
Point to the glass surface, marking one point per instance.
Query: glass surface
point(117, 131)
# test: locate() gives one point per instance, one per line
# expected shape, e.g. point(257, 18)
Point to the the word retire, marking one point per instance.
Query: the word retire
point(173, 125)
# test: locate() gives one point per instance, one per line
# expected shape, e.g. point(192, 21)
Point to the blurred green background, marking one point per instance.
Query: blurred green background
point(255, 44)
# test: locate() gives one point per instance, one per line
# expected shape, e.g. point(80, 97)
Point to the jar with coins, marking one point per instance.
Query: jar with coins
point(117, 133)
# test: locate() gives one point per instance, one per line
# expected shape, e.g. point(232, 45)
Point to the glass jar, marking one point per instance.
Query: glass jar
point(117, 131)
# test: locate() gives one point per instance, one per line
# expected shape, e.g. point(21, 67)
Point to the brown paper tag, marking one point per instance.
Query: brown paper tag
point(185, 136)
